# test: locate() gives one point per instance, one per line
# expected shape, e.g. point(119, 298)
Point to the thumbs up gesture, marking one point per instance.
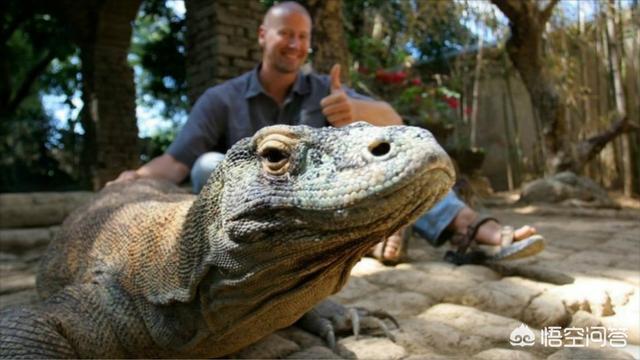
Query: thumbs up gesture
point(337, 107)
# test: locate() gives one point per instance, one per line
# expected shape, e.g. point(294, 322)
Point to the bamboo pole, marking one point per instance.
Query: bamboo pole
point(615, 53)
point(476, 91)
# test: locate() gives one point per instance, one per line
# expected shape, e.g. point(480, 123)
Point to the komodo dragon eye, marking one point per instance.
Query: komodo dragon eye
point(274, 154)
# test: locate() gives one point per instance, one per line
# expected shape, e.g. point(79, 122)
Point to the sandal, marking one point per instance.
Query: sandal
point(509, 248)
point(377, 251)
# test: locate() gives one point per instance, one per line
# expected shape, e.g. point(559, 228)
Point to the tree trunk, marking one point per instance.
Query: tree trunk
point(103, 30)
point(329, 40)
point(615, 55)
point(525, 49)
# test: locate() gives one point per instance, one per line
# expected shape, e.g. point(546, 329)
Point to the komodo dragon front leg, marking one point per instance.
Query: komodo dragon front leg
point(330, 318)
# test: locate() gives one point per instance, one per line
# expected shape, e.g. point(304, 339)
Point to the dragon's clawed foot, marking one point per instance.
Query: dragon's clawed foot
point(330, 318)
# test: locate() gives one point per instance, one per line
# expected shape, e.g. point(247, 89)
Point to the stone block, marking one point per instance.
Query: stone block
point(19, 240)
point(371, 348)
point(271, 347)
point(231, 50)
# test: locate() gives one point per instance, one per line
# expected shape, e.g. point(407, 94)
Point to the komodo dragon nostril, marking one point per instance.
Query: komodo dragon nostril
point(379, 148)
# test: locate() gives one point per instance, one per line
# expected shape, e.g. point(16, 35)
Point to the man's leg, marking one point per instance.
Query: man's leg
point(203, 168)
point(453, 215)
point(434, 222)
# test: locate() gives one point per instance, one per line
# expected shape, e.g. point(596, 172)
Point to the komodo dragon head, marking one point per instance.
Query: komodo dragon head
point(291, 210)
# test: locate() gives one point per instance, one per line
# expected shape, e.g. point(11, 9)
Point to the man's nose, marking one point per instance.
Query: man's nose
point(294, 42)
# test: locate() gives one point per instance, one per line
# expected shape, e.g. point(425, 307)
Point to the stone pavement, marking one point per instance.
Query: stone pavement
point(587, 280)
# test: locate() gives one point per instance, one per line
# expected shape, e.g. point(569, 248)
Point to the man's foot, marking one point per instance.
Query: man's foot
point(491, 241)
point(488, 231)
point(391, 250)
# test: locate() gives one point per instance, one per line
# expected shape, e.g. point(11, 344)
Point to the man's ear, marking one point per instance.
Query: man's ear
point(262, 32)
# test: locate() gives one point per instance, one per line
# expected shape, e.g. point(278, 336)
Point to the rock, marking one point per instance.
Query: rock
point(39, 209)
point(371, 348)
point(507, 297)
point(569, 189)
point(504, 354)
point(495, 328)
point(583, 320)
point(597, 296)
point(367, 266)
point(405, 303)
point(590, 353)
point(272, 347)
point(427, 355)
point(19, 240)
point(303, 338)
point(421, 335)
point(315, 352)
point(17, 282)
point(625, 318)
point(439, 281)
point(23, 297)
point(546, 310)
point(357, 288)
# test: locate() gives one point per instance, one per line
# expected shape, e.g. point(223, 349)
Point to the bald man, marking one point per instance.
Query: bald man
point(276, 91)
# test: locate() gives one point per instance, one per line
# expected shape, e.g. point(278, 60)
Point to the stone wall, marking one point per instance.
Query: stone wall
point(222, 41)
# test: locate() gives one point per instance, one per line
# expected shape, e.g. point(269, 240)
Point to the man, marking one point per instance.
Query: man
point(277, 92)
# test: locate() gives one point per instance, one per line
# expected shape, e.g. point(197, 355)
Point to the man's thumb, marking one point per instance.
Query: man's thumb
point(335, 78)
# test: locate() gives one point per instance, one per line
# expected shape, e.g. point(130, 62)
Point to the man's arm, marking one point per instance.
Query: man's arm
point(162, 167)
point(341, 110)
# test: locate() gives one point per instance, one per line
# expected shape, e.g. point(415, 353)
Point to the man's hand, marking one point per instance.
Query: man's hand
point(337, 106)
point(126, 175)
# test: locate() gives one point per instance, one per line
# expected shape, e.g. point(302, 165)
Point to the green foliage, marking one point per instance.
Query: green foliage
point(158, 52)
point(35, 54)
point(28, 162)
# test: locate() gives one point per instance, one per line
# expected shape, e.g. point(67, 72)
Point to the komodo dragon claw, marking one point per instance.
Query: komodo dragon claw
point(330, 318)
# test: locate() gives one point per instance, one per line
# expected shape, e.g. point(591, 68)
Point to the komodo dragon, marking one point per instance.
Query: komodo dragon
point(145, 270)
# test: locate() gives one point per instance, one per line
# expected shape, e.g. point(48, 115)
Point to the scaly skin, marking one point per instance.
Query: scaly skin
point(148, 271)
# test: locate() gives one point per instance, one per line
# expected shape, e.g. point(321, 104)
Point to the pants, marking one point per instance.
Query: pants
point(431, 225)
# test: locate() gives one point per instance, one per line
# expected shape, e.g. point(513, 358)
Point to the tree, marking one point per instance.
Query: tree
point(30, 38)
point(525, 47)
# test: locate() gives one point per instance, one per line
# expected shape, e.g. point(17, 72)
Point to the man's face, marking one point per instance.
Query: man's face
point(285, 39)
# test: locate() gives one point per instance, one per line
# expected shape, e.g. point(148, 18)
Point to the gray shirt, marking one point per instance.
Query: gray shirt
point(239, 107)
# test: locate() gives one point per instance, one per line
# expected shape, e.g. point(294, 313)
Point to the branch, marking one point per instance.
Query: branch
point(545, 14)
point(31, 77)
point(13, 26)
point(510, 9)
point(592, 146)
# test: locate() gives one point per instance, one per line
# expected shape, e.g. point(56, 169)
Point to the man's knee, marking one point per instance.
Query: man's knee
point(202, 169)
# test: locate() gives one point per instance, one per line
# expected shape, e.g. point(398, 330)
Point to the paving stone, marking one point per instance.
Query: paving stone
point(546, 310)
point(315, 352)
point(507, 297)
point(357, 287)
point(272, 347)
point(405, 303)
point(589, 353)
point(582, 319)
point(504, 354)
point(371, 348)
point(301, 337)
point(598, 296)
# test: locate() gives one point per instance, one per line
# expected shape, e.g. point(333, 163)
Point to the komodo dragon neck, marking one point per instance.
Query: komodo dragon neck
point(254, 283)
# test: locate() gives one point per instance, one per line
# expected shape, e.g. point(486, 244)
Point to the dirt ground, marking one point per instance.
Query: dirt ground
point(584, 288)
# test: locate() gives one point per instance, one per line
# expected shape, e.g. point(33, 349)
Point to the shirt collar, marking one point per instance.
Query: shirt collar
point(254, 87)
